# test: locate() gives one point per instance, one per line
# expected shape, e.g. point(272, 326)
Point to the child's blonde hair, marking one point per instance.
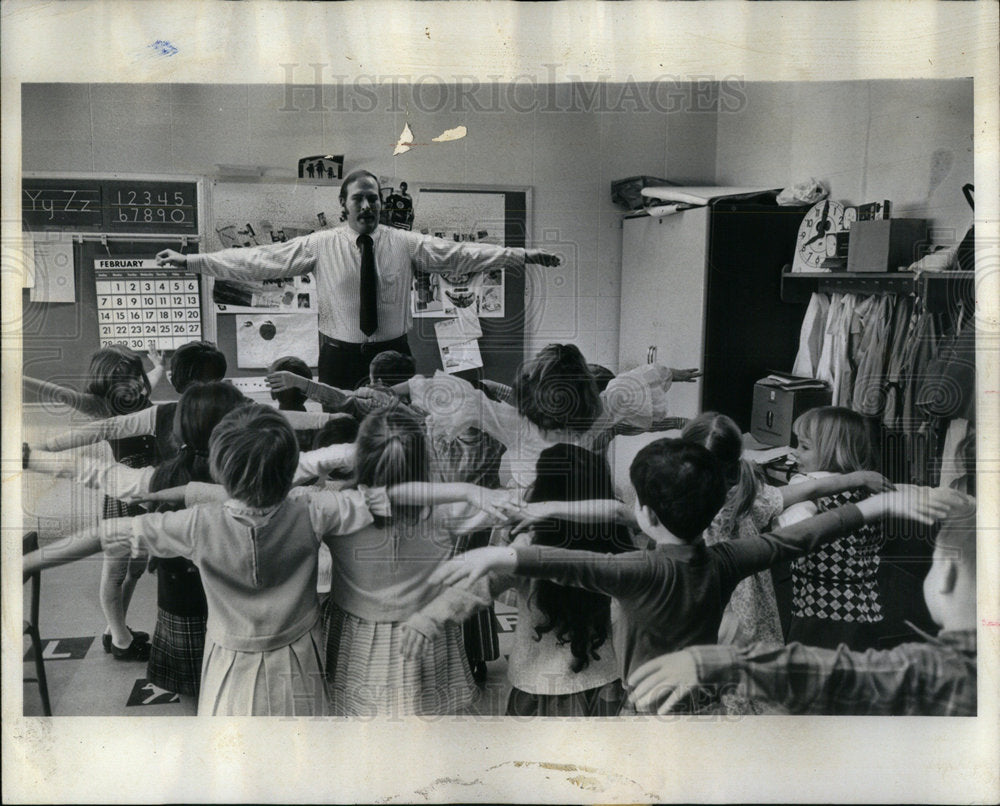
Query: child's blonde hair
point(253, 453)
point(840, 437)
point(391, 449)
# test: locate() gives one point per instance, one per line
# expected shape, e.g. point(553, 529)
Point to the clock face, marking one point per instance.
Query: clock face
point(850, 216)
point(824, 218)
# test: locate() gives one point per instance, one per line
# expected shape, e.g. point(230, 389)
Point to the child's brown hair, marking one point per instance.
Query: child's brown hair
point(253, 453)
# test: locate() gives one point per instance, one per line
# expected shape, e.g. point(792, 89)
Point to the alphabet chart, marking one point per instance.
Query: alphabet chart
point(139, 303)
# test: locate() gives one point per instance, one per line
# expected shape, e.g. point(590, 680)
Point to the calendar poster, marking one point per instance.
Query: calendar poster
point(139, 303)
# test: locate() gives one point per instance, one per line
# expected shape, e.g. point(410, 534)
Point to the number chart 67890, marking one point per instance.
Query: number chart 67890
point(139, 304)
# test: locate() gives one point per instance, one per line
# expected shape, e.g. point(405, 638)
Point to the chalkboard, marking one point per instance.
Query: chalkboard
point(62, 204)
point(59, 338)
point(111, 206)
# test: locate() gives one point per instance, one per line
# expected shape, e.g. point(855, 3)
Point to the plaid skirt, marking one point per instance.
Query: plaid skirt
point(367, 674)
point(479, 631)
point(176, 652)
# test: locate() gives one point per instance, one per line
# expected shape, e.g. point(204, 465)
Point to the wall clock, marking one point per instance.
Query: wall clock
point(824, 218)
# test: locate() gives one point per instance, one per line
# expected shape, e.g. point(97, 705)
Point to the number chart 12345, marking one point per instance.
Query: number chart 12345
point(139, 303)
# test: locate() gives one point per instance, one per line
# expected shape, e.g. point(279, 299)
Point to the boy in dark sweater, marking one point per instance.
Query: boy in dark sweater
point(933, 677)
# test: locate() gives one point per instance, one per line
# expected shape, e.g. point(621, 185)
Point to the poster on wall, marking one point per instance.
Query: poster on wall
point(462, 217)
point(284, 295)
point(262, 338)
point(440, 296)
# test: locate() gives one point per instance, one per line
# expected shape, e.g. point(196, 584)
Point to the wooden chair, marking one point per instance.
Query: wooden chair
point(30, 543)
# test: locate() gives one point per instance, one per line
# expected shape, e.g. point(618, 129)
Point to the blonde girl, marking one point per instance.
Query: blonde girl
point(835, 595)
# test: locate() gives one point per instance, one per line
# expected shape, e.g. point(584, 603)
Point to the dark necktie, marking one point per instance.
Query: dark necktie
point(369, 286)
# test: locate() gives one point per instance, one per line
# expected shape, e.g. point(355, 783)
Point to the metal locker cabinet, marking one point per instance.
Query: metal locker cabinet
point(703, 287)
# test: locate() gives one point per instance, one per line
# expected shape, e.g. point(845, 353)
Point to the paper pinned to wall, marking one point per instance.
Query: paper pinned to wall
point(263, 338)
point(458, 342)
point(464, 327)
point(53, 279)
point(460, 356)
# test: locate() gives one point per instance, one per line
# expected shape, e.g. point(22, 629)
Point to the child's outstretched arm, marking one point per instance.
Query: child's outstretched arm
point(321, 461)
point(501, 504)
point(919, 504)
point(93, 466)
point(111, 535)
point(812, 489)
point(598, 510)
point(136, 424)
point(802, 679)
point(329, 396)
point(627, 574)
point(91, 405)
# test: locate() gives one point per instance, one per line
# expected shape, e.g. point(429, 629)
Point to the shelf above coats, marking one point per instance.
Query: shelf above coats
point(941, 291)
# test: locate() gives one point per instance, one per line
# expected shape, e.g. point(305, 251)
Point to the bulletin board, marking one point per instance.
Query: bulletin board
point(252, 213)
point(275, 210)
point(502, 342)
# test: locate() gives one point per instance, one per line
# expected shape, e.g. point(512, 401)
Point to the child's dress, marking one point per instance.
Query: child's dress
point(379, 581)
point(752, 612)
point(835, 597)
point(258, 567)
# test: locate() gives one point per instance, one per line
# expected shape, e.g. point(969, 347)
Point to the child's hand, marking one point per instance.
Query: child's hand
point(530, 515)
point(663, 685)
point(154, 355)
point(870, 480)
point(501, 504)
point(375, 396)
point(283, 380)
point(921, 504)
point(685, 375)
point(415, 643)
point(466, 568)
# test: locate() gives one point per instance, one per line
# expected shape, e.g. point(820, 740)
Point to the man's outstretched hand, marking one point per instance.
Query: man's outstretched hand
point(541, 257)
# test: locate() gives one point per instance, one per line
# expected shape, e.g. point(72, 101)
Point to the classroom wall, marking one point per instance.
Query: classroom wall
point(906, 141)
point(567, 145)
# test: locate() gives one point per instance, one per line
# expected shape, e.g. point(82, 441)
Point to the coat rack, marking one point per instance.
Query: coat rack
point(941, 291)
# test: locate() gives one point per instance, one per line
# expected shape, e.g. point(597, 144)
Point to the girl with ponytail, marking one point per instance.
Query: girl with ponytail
point(751, 504)
point(376, 664)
